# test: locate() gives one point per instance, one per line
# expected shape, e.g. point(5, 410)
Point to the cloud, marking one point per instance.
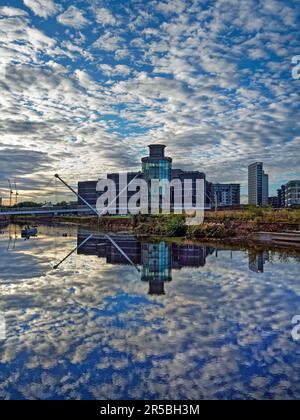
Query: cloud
point(108, 42)
point(213, 82)
point(43, 8)
point(12, 12)
point(118, 70)
point(171, 7)
point(73, 17)
point(23, 159)
point(105, 17)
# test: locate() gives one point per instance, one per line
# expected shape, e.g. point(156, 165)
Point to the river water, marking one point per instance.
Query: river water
point(170, 321)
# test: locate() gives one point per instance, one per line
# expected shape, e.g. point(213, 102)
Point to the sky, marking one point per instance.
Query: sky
point(86, 85)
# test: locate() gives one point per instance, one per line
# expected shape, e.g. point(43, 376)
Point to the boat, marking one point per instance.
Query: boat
point(29, 231)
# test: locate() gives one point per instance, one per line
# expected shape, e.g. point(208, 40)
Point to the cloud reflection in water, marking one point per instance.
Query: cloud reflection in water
point(92, 330)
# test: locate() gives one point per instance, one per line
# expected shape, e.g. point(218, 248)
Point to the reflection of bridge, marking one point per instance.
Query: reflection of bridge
point(27, 211)
point(157, 259)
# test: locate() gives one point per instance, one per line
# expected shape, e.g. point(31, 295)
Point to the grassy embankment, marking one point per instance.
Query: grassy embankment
point(242, 224)
point(219, 225)
point(222, 224)
point(111, 223)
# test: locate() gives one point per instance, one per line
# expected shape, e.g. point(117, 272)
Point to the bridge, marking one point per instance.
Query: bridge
point(35, 211)
point(55, 211)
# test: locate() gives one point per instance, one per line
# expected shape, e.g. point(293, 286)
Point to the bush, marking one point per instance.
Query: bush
point(163, 225)
point(210, 231)
point(175, 225)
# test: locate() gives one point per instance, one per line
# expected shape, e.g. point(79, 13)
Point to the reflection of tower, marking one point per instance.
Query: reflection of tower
point(156, 266)
point(257, 260)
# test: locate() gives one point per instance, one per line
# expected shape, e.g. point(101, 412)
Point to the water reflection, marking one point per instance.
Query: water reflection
point(257, 260)
point(210, 327)
point(157, 258)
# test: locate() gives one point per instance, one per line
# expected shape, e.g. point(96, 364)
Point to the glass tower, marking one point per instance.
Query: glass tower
point(258, 185)
point(157, 166)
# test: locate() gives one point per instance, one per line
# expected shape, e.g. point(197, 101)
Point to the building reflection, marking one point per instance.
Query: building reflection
point(257, 260)
point(156, 266)
point(156, 259)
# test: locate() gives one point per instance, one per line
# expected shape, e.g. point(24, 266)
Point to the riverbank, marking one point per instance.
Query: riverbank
point(111, 224)
point(223, 226)
point(243, 226)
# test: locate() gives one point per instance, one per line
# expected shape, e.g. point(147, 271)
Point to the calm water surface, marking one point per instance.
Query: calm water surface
point(181, 322)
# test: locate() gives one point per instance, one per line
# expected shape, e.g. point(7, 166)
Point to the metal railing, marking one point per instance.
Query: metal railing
point(43, 210)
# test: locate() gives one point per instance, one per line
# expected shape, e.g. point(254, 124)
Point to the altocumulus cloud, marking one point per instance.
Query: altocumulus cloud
point(105, 17)
point(73, 17)
point(211, 79)
point(43, 8)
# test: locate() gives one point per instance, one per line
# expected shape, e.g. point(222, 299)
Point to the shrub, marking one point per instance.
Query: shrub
point(175, 225)
point(210, 231)
point(164, 225)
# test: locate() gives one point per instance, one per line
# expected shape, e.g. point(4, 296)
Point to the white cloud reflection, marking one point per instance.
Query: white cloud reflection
point(89, 330)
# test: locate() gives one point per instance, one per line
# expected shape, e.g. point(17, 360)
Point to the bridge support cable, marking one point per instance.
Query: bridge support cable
point(122, 252)
point(72, 252)
point(77, 195)
point(121, 192)
point(55, 267)
point(87, 203)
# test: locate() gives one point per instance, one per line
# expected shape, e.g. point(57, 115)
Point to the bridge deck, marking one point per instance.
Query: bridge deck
point(41, 211)
point(35, 211)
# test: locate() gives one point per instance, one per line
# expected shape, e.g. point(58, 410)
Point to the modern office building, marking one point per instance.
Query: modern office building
point(289, 195)
point(258, 185)
point(190, 177)
point(273, 202)
point(130, 176)
point(226, 194)
point(158, 167)
point(155, 166)
point(87, 190)
point(265, 195)
point(281, 196)
point(292, 193)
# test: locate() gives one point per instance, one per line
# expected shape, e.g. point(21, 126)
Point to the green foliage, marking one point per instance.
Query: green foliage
point(210, 231)
point(62, 204)
point(29, 204)
point(220, 225)
point(254, 214)
point(162, 225)
point(175, 225)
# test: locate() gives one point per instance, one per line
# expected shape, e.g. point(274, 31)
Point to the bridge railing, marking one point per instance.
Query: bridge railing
point(42, 209)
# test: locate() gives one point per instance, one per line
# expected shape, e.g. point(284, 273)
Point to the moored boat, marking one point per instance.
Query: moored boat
point(29, 231)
